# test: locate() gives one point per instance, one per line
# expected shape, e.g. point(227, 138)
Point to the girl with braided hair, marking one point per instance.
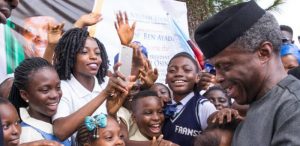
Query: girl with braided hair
point(100, 130)
point(82, 64)
point(35, 94)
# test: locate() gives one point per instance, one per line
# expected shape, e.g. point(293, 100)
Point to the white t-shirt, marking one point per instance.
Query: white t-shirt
point(75, 96)
point(204, 110)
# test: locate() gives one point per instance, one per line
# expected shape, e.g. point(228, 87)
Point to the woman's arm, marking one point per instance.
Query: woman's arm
point(64, 127)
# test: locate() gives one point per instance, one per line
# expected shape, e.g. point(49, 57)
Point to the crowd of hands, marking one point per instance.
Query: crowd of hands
point(119, 86)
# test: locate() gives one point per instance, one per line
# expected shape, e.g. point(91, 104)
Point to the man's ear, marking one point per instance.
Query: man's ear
point(24, 95)
point(265, 51)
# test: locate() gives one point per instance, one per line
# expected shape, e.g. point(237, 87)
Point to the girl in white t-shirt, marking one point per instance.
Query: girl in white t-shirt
point(82, 64)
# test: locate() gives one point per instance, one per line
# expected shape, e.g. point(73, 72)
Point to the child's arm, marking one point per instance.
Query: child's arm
point(64, 127)
point(54, 34)
point(88, 20)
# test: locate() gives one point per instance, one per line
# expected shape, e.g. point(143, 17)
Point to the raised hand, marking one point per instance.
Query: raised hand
point(88, 20)
point(138, 59)
point(148, 76)
point(115, 84)
point(117, 97)
point(206, 80)
point(124, 30)
point(54, 33)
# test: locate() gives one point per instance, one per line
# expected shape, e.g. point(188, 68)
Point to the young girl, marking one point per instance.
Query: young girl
point(36, 94)
point(218, 97)
point(100, 130)
point(82, 63)
point(192, 110)
point(10, 123)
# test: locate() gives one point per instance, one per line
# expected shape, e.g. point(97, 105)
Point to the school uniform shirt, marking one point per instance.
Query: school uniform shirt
point(274, 119)
point(75, 96)
point(29, 134)
point(204, 110)
point(133, 131)
point(189, 119)
point(138, 136)
point(34, 129)
point(125, 116)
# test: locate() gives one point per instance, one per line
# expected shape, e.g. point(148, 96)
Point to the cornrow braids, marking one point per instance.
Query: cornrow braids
point(67, 48)
point(82, 136)
point(22, 79)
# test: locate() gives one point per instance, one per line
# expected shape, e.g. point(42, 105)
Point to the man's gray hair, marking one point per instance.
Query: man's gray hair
point(265, 29)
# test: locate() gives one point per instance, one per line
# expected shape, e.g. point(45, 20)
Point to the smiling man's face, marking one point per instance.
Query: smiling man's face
point(5, 9)
point(240, 73)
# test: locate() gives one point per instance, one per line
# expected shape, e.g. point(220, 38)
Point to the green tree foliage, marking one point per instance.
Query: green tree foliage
point(275, 4)
point(215, 6)
point(200, 10)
